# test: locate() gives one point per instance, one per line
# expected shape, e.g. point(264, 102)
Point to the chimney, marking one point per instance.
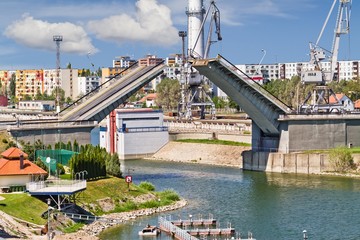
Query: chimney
point(21, 161)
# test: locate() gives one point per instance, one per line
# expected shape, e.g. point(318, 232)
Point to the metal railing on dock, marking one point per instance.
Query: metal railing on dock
point(175, 231)
point(184, 229)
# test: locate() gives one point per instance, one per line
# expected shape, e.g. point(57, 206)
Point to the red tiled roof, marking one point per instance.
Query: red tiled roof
point(338, 96)
point(13, 153)
point(150, 96)
point(12, 167)
point(10, 164)
point(357, 103)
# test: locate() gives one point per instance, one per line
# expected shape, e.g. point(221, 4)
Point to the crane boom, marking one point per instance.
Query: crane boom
point(318, 75)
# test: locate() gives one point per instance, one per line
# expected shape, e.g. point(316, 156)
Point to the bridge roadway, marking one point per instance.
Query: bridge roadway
point(112, 94)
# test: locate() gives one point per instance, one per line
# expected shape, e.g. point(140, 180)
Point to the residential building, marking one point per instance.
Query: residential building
point(150, 60)
point(17, 170)
point(123, 62)
point(67, 81)
point(87, 84)
point(37, 105)
point(28, 82)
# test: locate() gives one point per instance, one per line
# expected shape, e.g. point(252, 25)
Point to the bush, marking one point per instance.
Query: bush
point(341, 159)
point(5, 141)
point(147, 186)
point(170, 195)
point(60, 168)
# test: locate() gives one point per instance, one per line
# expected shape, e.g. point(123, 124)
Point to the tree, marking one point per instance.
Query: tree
point(61, 92)
point(168, 93)
point(12, 87)
point(68, 66)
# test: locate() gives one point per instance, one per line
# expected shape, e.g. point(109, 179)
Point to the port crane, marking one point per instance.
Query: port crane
point(319, 75)
point(192, 83)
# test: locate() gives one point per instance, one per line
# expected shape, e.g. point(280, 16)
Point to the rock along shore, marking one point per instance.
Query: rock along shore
point(91, 231)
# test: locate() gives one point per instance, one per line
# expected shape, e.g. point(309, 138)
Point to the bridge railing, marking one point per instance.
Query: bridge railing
point(111, 79)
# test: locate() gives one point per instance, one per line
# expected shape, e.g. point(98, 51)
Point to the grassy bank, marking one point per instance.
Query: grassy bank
point(214, 141)
point(122, 198)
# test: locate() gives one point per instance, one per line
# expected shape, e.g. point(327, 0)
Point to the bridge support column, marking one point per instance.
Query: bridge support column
point(262, 143)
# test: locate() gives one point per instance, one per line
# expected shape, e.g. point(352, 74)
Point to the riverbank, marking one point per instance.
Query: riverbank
point(9, 226)
point(212, 154)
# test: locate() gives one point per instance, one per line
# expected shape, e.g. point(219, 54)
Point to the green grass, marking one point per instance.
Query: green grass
point(23, 206)
point(29, 208)
point(327, 151)
point(73, 228)
point(210, 141)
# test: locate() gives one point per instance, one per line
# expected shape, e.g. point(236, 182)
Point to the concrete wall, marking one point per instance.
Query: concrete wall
point(288, 162)
point(139, 144)
point(315, 133)
point(51, 136)
point(7, 181)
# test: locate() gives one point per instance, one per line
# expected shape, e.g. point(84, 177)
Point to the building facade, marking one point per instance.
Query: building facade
point(134, 133)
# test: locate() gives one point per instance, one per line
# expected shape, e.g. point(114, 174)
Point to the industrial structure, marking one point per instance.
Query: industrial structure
point(193, 90)
point(321, 93)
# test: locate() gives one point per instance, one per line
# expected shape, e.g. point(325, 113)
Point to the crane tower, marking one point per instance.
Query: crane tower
point(194, 93)
point(195, 15)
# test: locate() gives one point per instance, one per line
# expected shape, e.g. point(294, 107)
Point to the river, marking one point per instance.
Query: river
point(271, 206)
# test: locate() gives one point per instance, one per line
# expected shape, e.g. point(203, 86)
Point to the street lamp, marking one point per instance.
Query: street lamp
point(48, 232)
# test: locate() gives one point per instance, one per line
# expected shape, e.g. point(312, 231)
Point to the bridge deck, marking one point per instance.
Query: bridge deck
point(100, 104)
point(262, 107)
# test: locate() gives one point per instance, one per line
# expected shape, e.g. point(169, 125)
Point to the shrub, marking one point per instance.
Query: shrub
point(341, 159)
point(170, 195)
point(147, 186)
point(60, 168)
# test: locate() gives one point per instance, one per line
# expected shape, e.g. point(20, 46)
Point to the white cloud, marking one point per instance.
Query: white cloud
point(151, 24)
point(39, 34)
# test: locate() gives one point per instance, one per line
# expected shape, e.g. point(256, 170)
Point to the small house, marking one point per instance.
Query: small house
point(17, 170)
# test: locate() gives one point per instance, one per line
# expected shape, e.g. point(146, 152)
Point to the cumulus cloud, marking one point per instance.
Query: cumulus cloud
point(151, 24)
point(39, 34)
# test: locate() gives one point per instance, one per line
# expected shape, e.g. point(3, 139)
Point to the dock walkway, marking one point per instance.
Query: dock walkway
point(175, 229)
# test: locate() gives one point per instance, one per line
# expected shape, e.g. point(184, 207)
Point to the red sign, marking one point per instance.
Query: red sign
point(128, 179)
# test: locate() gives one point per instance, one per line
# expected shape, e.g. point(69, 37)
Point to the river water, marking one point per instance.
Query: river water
point(271, 206)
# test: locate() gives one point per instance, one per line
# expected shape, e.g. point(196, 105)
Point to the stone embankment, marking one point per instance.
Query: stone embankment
point(90, 232)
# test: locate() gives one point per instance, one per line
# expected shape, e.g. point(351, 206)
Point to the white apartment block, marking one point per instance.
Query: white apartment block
point(87, 84)
point(67, 81)
point(346, 70)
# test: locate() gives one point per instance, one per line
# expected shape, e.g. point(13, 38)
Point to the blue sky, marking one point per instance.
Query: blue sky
point(98, 31)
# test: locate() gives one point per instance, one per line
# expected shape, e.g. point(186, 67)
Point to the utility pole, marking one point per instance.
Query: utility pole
point(57, 39)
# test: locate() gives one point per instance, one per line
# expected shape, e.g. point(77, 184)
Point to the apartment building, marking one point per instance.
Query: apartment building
point(28, 83)
point(87, 84)
point(67, 80)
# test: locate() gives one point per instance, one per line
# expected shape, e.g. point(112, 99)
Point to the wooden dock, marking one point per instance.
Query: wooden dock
point(175, 228)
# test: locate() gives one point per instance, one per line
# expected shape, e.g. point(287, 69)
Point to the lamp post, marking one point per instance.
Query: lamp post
point(48, 202)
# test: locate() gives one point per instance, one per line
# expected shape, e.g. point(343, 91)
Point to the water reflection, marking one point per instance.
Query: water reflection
point(272, 206)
